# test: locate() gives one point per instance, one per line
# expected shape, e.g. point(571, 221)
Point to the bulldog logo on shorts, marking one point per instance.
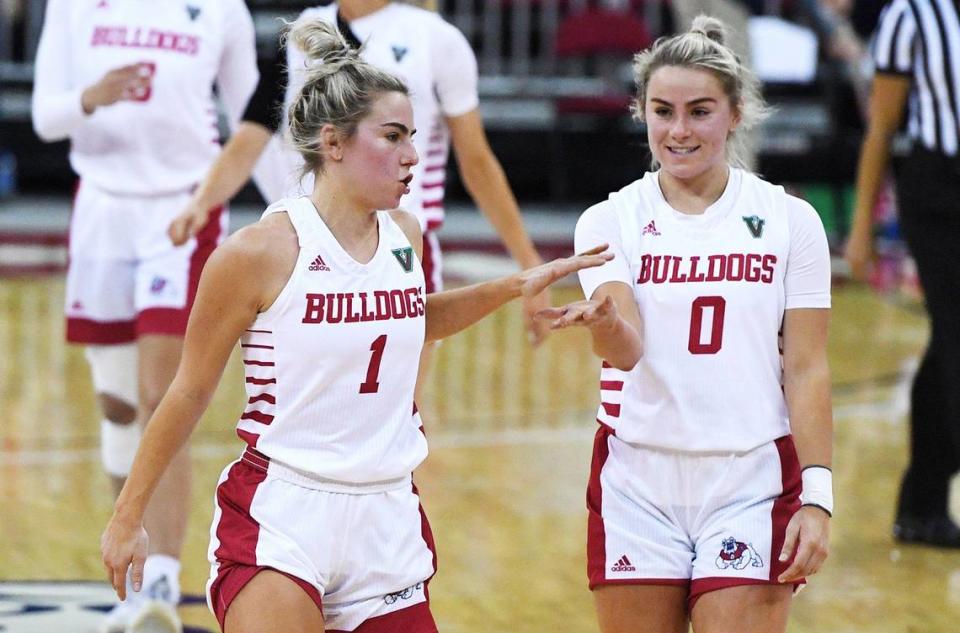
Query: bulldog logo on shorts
point(738, 555)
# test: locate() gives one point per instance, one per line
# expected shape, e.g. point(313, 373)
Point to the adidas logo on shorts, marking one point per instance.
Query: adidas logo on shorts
point(319, 264)
point(623, 564)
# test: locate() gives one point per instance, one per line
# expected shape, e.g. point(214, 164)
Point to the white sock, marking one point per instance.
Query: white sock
point(161, 578)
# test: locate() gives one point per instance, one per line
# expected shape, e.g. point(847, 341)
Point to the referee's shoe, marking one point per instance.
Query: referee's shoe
point(936, 531)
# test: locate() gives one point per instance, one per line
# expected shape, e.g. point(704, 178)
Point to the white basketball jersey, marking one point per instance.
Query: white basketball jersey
point(438, 66)
point(164, 141)
point(712, 290)
point(331, 366)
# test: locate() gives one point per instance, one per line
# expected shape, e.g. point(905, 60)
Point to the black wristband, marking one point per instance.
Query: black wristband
point(817, 505)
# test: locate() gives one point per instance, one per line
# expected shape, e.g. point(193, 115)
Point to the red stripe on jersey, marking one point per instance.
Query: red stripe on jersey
point(432, 185)
point(257, 416)
point(256, 346)
point(258, 363)
point(263, 397)
point(248, 437)
point(261, 381)
point(437, 152)
point(611, 385)
point(433, 204)
point(613, 410)
point(435, 168)
point(255, 458)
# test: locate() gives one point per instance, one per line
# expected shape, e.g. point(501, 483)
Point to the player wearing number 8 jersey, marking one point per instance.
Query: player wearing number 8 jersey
point(699, 514)
point(318, 526)
point(131, 84)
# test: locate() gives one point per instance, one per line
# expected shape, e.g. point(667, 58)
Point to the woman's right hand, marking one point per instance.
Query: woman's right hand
point(859, 254)
point(588, 313)
point(190, 222)
point(125, 83)
point(124, 543)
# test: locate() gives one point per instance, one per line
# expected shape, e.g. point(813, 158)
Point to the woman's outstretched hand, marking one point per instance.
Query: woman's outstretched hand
point(535, 280)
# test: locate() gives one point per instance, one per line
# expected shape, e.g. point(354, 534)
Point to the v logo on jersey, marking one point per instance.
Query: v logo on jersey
point(755, 224)
point(399, 52)
point(193, 12)
point(405, 257)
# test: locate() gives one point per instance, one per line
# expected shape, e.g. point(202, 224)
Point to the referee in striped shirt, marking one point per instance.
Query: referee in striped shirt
point(916, 51)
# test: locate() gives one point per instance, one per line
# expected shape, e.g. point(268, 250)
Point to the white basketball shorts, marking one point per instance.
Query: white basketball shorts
point(125, 278)
point(365, 557)
point(704, 521)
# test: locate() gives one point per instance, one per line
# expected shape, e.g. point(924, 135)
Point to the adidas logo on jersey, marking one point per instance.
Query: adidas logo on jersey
point(319, 264)
point(623, 564)
point(650, 229)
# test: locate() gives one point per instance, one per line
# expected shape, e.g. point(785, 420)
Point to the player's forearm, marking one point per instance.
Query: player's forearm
point(807, 390)
point(233, 166)
point(874, 158)
point(451, 311)
point(618, 343)
point(166, 432)
point(488, 186)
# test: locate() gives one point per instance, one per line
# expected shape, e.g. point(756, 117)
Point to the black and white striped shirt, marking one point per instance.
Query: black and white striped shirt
point(921, 39)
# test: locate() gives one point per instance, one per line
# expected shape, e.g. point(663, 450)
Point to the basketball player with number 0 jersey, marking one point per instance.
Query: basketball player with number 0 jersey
point(131, 84)
point(710, 490)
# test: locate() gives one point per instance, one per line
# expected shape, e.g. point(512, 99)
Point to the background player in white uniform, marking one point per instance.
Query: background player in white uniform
point(319, 524)
point(695, 490)
point(131, 85)
point(436, 61)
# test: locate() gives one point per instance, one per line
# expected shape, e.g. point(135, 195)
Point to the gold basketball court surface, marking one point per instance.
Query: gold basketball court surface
point(510, 431)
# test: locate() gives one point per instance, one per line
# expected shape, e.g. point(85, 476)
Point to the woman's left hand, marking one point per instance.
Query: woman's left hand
point(809, 534)
point(124, 544)
point(534, 281)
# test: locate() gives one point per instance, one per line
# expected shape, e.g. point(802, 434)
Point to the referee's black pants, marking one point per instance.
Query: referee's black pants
point(928, 192)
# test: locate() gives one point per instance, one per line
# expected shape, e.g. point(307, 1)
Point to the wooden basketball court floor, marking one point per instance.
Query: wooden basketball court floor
point(510, 433)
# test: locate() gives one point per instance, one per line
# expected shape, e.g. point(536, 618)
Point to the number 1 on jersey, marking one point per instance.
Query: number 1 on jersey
point(718, 306)
point(370, 385)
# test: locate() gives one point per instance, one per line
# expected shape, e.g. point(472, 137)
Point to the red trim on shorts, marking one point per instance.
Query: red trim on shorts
point(90, 332)
point(173, 321)
point(428, 264)
point(596, 536)
point(784, 507)
point(238, 534)
point(415, 619)
point(427, 535)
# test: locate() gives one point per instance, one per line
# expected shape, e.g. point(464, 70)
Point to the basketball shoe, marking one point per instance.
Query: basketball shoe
point(151, 610)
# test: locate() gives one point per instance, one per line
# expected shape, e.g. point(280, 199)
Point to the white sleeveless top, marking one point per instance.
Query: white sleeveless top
point(712, 291)
point(331, 366)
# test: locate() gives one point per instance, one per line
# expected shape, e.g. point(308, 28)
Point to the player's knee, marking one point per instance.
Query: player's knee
point(117, 410)
point(118, 446)
point(150, 396)
point(114, 371)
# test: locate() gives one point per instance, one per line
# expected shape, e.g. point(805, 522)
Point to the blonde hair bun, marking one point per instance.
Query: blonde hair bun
point(709, 27)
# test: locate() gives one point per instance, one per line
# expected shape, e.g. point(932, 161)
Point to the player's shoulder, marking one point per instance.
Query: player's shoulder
point(272, 234)
point(409, 16)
